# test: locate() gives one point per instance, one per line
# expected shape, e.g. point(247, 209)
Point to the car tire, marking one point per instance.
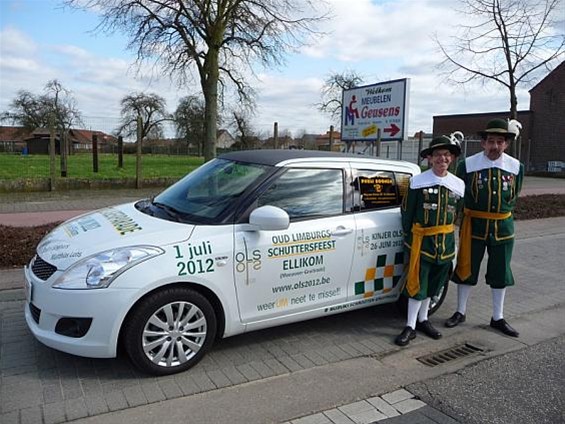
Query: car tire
point(435, 303)
point(169, 331)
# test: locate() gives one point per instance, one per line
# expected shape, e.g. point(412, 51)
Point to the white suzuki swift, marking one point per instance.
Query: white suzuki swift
point(249, 240)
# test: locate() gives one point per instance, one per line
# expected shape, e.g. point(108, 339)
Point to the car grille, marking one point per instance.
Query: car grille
point(42, 269)
point(35, 312)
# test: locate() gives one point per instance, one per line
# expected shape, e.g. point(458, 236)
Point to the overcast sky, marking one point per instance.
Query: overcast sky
point(379, 39)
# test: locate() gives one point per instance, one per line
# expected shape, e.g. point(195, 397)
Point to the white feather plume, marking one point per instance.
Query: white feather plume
point(457, 137)
point(514, 126)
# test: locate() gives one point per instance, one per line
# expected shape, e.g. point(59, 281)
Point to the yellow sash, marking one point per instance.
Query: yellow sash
point(418, 234)
point(463, 268)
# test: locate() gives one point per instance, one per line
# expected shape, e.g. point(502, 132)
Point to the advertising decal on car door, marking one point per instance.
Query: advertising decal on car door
point(283, 272)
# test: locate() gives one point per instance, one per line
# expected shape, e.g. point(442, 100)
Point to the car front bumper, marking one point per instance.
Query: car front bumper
point(106, 307)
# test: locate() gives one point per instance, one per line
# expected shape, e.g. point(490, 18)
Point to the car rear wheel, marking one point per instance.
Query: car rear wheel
point(436, 301)
point(170, 331)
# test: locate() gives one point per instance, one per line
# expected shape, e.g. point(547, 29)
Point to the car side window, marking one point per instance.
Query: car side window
point(306, 193)
point(378, 189)
point(403, 184)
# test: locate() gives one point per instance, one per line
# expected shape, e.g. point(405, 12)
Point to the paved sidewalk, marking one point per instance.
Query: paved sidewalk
point(28, 209)
point(280, 374)
point(398, 407)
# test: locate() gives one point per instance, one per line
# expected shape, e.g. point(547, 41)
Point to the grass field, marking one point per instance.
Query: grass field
point(80, 166)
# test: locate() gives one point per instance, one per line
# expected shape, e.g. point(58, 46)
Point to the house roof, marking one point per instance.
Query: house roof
point(336, 135)
point(85, 136)
point(18, 134)
point(223, 131)
point(477, 115)
point(558, 68)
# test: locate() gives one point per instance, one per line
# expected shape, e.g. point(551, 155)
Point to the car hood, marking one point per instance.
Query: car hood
point(105, 229)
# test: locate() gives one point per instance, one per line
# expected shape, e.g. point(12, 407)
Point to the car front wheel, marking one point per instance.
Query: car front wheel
point(170, 331)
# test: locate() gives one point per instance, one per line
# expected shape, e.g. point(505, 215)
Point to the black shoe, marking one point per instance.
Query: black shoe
point(428, 329)
point(404, 338)
point(456, 319)
point(503, 326)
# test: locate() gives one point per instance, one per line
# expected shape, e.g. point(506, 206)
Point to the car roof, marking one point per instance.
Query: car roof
point(281, 157)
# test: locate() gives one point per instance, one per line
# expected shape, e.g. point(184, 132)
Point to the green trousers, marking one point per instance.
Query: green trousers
point(499, 274)
point(432, 278)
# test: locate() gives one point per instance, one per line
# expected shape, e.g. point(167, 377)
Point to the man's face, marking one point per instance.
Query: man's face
point(494, 146)
point(440, 159)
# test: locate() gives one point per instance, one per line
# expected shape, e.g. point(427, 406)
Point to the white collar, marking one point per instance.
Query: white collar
point(480, 161)
point(429, 179)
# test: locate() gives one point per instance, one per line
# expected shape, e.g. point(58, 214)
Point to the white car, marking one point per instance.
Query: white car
point(250, 240)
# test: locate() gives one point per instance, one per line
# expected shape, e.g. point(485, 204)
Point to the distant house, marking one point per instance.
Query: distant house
point(12, 139)
point(541, 145)
point(323, 141)
point(15, 139)
point(471, 123)
point(224, 140)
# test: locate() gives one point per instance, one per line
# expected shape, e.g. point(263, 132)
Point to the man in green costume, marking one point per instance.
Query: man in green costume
point(428, 212)
point(493, 181)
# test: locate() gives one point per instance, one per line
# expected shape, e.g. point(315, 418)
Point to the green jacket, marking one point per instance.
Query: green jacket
point(491, 190)
point(431, 206)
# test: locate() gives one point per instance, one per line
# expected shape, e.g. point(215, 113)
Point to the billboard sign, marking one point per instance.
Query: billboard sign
point(368, 109)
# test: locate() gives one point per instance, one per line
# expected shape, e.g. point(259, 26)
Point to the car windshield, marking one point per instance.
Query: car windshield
point(207, 193)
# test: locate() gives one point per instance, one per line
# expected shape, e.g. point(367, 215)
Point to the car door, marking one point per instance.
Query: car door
point(378, 263)
point(282, 274)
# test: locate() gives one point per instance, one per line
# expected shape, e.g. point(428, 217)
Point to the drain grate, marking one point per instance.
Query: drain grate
point(450, 354)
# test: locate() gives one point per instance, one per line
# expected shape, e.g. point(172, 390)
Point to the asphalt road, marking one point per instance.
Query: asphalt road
point(527, 386)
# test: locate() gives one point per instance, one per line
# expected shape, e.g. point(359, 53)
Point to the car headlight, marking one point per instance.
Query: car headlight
point(99, 270)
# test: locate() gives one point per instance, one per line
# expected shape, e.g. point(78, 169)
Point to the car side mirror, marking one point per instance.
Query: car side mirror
point(268, 218)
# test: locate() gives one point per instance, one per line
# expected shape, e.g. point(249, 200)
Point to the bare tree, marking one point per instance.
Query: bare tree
point(190, 122)
point(150, 107)
point(220, 38)
point(332, 91)
point(510, 41)
point(246, 136)
point(64, 114)
point(27, 110)
point(35, 111)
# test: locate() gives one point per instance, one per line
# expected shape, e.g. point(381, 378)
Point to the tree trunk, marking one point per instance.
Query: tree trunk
point(210, 90)
point(513, 115)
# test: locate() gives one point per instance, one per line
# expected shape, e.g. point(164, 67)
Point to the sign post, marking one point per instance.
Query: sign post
point(375, 113)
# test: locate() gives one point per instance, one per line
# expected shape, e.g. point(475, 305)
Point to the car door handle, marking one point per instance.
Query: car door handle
point(341, 231)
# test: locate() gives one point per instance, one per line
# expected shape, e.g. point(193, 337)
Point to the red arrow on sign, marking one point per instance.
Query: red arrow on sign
point(393, 130)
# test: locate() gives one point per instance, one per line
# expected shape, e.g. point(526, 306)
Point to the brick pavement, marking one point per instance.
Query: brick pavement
point(37, 382)
point(398, 407)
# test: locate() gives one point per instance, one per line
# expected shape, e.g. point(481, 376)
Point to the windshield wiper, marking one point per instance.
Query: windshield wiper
point(172, 212)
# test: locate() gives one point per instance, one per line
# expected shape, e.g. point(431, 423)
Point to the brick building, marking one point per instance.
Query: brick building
point(547, 103)
point(471, 124)
point(543, 126)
